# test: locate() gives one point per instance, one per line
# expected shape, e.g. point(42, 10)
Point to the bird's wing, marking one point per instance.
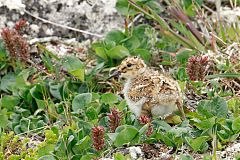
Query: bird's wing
point(141, 87)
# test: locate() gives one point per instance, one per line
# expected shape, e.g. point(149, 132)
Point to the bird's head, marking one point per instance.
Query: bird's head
point(130, 67)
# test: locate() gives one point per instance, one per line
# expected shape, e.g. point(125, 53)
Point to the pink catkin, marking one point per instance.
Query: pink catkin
point(196, 67)
point(20, 24)
point(98, 137)
point(115, 118)
point(14, 42)
point(146, 120)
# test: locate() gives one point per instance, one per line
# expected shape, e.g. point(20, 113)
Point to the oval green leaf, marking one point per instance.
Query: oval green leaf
point(126, 135)
point(118, 52)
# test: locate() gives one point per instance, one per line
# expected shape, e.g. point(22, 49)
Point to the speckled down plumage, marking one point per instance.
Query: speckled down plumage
point(147, 92)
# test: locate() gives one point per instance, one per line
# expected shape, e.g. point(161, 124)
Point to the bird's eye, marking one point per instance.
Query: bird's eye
point(129, 65)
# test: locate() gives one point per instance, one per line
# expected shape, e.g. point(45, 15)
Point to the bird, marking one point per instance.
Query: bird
point(146, 91)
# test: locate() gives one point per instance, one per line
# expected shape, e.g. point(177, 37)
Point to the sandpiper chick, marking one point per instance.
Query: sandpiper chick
point(146, 91)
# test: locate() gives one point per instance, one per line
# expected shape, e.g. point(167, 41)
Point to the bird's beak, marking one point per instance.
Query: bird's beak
point(114, 73)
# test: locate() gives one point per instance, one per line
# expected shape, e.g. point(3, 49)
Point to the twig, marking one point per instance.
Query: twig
point(32, 130)
point(134, 20)
point(209, 9)
point(215, 36)
point(43, 40)
point(62, 26)
point(166, 52)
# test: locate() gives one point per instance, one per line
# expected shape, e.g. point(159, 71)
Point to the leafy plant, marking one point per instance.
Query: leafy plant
point(118, 45)
point(70, 107)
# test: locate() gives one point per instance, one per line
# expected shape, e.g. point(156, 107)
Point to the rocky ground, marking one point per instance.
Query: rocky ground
point(70, 24)
point(94, 16)
point(160, 151)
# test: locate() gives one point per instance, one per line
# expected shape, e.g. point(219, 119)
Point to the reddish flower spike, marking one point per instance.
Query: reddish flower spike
point(146, 120)
point(98, 137)
point(20, 24)
point(15, 44)
point(115, 118)
point(196, 67)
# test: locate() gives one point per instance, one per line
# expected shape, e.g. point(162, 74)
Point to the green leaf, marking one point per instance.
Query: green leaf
point(183, 55)
point(199, 2)
point(139, 32)
point(21, 79)
point(9, 102)
point(185, 157)
point(233, 106)
point(178, 131)
point(222, 67)
point(144, 54)
point(119, 156)
point(112, 136)
point(76, 157)
point(118, 52)
point(91, 113)
point(101, 52)
point(48, 63)
point(25, 124)
point(3, 118)
point(40, 124)
point(37, 93)
point(45, 150)
point(109, 44)
point(80, 101)
point(61, 147)
point(89, 156)
point(126, 135)
point(83, 144)
point(190, 11)
point(198, 143)
point(215, 107)
point(74, 66)
point(8, 82)
point(115, 36)
point(168, 141)
point(155, 6)
point(122, 105)
point(47, 157)
point(71, 140)
point(109, 98)
point(3, 52)
point(46, 51)
point(86, 126)
point(143, 129)
point(187, 3)
point(236, 124)
point(17, 129)
point(162, 125)
point(124, 8)
point(131, 43)
point(181, 74)
point(55, 89)
point(206, 124)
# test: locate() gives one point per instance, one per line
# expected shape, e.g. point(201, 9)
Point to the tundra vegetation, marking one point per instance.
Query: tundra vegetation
point(64, 109)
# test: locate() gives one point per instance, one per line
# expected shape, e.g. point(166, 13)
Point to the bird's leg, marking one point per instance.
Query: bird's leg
point(180, 108)
point(146, 110)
